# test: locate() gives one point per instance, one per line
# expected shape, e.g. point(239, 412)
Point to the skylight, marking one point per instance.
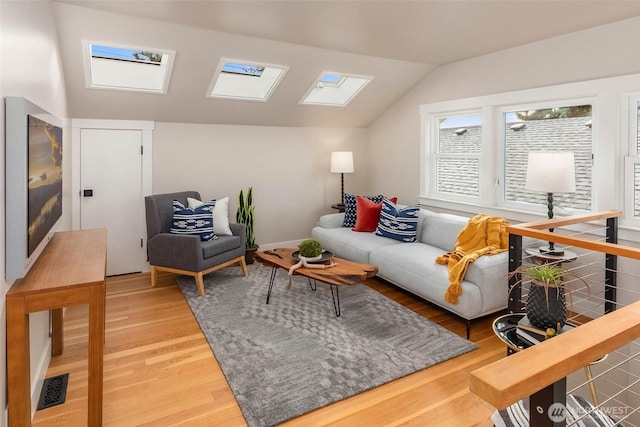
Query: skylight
point(127, 68)
point(245, 80)
point(335, 89)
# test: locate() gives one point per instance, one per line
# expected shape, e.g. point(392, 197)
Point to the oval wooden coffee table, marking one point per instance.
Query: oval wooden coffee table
point(345, 272)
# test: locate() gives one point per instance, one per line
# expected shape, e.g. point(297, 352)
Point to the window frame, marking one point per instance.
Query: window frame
point(629, 128)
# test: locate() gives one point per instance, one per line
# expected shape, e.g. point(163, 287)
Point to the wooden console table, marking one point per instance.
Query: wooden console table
point(70, 271)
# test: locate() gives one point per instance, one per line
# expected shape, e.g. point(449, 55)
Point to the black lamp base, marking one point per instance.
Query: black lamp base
point(551, 250)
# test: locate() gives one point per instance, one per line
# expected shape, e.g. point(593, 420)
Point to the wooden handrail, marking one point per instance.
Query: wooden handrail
point(513, 378)
point(539, 230)
point(568, 220)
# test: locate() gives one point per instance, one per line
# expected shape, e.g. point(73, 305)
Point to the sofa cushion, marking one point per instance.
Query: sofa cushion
point(333, 220)
point(398, 223)
point(441, 230)
point(198, 221)
point(368, 214)
point(348, 244)
point(350, 208)
point(412, 266)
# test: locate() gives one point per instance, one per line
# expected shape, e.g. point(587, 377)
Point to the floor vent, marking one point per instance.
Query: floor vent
point(54, 391)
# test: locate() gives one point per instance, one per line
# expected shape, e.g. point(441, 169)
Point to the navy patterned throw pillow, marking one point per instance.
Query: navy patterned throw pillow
point(396, 223)
point(350, 211)
point(198, 221)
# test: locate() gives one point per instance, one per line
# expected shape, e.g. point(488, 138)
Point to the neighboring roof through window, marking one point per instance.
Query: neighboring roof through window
point(235, 79)
point(335, 89)
point(118, 67)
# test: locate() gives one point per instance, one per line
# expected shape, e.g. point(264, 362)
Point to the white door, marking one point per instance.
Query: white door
point(111, 193)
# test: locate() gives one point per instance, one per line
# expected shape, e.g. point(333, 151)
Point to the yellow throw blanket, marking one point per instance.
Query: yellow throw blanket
point(483, 235)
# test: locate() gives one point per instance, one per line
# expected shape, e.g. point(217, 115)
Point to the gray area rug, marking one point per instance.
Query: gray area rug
point(293, 355)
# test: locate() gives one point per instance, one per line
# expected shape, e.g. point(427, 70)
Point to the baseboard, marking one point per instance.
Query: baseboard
point(289, 244)
point(38, 378)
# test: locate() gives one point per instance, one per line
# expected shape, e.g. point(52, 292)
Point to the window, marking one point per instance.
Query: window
point(564, 128)
point(245, 80)
point(457, 165)
point(126, 68)
point(598, 120)
point(334, 89)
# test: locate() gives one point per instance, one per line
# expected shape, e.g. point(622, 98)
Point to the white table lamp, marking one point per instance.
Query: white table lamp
point(342, 162)
point(551, 172)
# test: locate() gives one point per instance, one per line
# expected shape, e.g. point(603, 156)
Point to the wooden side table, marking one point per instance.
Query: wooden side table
point(339, 207)
point(70, 271)
point(544, 258)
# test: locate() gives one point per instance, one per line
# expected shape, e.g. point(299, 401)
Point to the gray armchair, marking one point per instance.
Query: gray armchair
point(187, 254)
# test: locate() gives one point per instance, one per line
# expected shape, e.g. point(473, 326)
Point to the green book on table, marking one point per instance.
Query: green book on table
point(529, 336)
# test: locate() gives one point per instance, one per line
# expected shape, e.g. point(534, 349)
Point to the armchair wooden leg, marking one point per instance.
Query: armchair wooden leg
point(243, 265)
point(200, 283)
point(198, 276)
point(154, 276)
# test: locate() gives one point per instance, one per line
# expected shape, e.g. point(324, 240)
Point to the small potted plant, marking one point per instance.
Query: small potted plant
point(245, 215)
point(548, 286)
point(311, 250)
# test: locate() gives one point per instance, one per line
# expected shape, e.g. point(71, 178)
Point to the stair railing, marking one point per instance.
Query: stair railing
point(540, 372)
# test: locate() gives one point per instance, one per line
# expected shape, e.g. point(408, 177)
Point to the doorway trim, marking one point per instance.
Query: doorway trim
point(146, 127)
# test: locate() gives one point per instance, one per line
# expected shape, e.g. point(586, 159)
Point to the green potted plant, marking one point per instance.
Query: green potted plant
point(245, 215)
point(310, 249)
point(546, 300)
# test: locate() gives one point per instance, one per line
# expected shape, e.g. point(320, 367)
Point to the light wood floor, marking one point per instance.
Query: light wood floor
point(159, 370)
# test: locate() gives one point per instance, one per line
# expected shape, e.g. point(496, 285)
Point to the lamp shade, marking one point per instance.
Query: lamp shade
point(342, 162)
point(551, 172)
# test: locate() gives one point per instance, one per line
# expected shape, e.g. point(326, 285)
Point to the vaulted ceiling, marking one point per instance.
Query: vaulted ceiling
point(397, 42)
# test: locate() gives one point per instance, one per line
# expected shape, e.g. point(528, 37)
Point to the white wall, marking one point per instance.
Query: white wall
point(288, 169)
point(394, 138)
point(30, 67)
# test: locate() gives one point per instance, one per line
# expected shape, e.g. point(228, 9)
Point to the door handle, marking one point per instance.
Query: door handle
point(87, 193)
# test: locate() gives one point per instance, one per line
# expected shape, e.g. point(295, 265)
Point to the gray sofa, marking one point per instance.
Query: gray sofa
point(187, 254)
point(412, 266)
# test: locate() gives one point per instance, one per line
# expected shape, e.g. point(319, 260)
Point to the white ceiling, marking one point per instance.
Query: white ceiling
point(398, 42)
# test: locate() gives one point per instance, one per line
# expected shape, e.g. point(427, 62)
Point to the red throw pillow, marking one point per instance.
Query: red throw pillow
point(368, 214)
